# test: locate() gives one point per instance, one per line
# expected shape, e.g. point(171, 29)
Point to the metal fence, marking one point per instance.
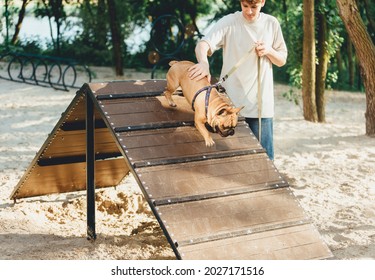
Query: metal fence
point(48, 71)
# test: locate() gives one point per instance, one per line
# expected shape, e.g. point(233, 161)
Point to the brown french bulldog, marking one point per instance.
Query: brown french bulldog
point(219, 116)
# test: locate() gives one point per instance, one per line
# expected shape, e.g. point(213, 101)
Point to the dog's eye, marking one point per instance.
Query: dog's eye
point(222, 112)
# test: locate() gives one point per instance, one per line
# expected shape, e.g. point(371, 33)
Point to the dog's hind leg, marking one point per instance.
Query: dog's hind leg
point(171, 87)
point(168, 94)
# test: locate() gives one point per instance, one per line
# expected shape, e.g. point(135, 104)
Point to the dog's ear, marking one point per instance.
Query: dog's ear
point(237, 110)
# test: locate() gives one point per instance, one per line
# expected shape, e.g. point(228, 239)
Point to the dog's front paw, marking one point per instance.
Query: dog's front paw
point(172, 104)
point(209, 142)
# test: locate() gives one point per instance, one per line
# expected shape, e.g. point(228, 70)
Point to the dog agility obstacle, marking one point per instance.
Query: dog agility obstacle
point(222, 202)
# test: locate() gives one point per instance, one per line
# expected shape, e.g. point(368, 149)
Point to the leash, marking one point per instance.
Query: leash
point(235, 67)
point(259, 94)
point(259, 103)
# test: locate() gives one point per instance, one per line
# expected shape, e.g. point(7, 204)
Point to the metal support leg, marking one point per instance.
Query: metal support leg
point(90, 168)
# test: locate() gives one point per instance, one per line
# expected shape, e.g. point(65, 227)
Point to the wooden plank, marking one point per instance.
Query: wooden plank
point(211, 178)
point(135, 112)
point(77, 110)
point(130, 86)
point(73, 143)
point(292, 243)
point(70, 177)
point(184, 142)
point(209, 219)
point(189, 135)
point(127, 106)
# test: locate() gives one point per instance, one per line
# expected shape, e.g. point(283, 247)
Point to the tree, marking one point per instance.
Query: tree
point(322, 60)
point(351, 62)
point(321, 42)
point(116, 38)
point(21, 16)
point(328, 42)
point(308, 67)
point(365, 49)
point(53, 9)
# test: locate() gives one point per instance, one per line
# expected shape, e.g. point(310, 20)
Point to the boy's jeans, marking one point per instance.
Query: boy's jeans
point(267, 133)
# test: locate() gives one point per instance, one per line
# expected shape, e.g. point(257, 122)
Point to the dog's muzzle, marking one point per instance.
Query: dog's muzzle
point(216, 129)
point(225, 133)
point(231, 132)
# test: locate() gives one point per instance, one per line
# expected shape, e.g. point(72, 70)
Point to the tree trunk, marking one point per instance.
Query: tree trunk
point(351, 65)
point(116, 38)
point(100, 24)
point(321, 68)
point(21, 16)
point(58, 35)
point(339, 67)
point(365, 51)
point(308, 67)
point(49, 22)
point(57, 12)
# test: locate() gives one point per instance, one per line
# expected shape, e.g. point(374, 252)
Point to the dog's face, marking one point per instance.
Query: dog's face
point(225, 120)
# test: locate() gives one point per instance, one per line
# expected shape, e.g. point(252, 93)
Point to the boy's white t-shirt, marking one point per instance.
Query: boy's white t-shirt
point(236, 37)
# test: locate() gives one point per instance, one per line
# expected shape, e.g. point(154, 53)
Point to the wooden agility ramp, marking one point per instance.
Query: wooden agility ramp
point(222, 202)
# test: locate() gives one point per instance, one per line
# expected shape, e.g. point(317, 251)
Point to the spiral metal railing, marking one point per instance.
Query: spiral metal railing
point(48, 71)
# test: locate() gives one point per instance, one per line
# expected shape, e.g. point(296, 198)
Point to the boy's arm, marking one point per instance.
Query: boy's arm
point(202, 68)
point(276, 57)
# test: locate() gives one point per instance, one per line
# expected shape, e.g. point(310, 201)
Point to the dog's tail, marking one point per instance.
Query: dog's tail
point(172, 62)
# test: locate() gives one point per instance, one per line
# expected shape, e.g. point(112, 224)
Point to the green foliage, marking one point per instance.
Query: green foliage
point(186, 11)
point(296, 82)
point(292, 96)
point(51, 8)
point(82, 52)
point(30, 45)
point(296, 77)
point(332, 78)
point(293, 35)
point(92, 43)
point(12, 11)
point(335, 25)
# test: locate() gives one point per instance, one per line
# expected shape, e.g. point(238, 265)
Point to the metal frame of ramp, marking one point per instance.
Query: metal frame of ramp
point(222, 202)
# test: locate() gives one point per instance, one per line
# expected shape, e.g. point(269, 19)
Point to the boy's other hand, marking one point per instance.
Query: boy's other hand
point(262, 49)
point(199, 71)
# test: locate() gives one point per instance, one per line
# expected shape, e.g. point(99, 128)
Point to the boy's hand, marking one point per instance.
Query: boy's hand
point(277, 58)
point(199, 71)
point(262, 49)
